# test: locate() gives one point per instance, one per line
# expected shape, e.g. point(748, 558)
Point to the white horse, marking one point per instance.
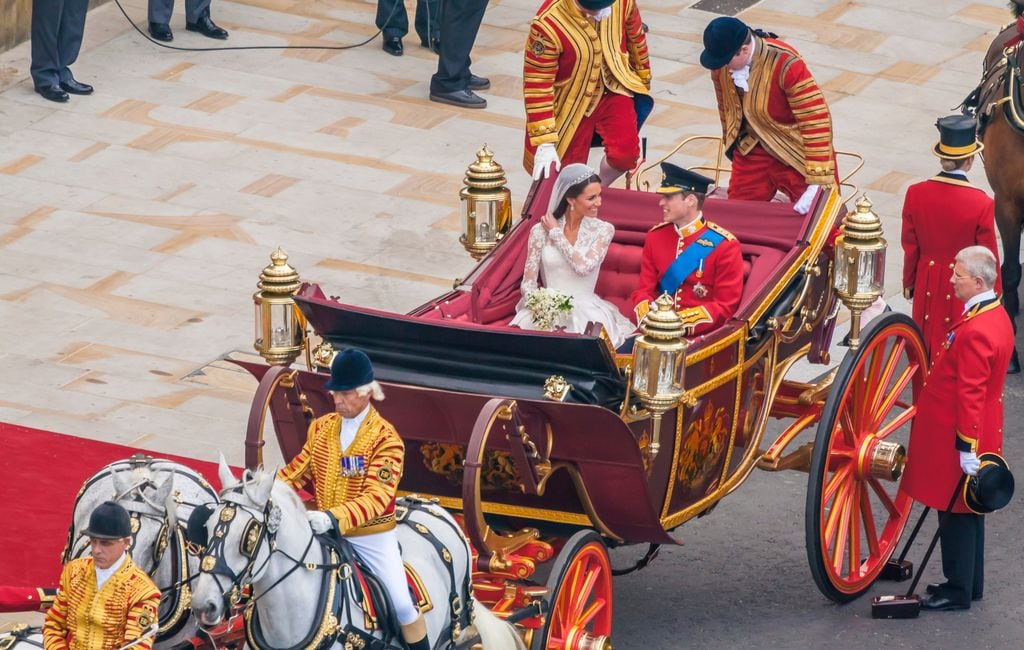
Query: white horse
point(302, 597)
point(159, 495)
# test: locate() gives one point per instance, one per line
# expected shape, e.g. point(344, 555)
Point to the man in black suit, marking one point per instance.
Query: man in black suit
point(393, 22)
point(453, 83)
point(197, 19)
point(57, 29)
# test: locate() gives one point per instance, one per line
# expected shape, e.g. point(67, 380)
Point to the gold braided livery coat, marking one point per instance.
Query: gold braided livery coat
point(784, 109)
point(82, 618)
point(570, 60)
point(362, 504)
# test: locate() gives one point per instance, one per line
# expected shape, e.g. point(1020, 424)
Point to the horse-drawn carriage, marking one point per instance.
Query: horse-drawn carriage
point(550, 447)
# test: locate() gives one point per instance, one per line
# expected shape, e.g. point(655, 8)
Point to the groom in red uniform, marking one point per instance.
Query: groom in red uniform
point(697, 262)
point(960, 415)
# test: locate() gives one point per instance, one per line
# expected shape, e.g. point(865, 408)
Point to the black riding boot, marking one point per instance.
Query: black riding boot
point(422, 644)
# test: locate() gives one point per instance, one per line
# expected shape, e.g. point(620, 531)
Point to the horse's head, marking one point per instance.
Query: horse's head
point(241, 533)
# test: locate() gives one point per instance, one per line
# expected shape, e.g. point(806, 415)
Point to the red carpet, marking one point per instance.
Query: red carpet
point(40, 474)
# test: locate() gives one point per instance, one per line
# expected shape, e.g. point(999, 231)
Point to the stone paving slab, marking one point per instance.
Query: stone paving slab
point(134, 223)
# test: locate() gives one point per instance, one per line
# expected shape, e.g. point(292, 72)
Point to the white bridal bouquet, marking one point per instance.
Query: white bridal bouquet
point(547, 306)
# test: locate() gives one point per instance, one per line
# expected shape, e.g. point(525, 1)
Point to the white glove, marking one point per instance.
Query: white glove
point(319, 521)
point(804, 203)
point(969, 463)
point(546, 154)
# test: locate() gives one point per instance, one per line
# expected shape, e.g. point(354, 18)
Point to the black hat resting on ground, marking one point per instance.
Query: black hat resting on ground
point(958, 137)
point(676, 179)
point(723, 38)
point(350, 369)
point(992, 488)
point(109, 521)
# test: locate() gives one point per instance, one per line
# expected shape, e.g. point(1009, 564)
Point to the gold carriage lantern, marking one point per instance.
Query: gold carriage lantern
point(280, 327)
point(659, 364)
point(487, 209)
point(860, 263)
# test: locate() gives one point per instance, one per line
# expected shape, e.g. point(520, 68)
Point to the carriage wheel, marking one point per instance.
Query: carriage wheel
point(579, 597)
point(855, 510)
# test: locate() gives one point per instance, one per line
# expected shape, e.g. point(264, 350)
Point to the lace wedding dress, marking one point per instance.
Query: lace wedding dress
point(572, 269)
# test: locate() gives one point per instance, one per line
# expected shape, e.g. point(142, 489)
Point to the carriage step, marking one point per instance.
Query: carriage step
point(897, 570)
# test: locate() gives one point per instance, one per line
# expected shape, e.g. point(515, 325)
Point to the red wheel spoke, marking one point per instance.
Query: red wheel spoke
point(897, 422)
point(584, 619)
point(841, 533)
point(883, 381)
point(584, 593)
point(835, 481)
point(847, 427)
point(854, 518)
point(834, 512)
point(890, 399)
point(869, 520)
point(884, 497)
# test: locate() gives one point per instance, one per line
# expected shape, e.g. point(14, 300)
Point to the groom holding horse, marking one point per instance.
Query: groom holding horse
point(354, 458)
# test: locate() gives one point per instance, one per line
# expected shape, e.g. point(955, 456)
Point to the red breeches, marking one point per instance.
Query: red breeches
point(614, 120)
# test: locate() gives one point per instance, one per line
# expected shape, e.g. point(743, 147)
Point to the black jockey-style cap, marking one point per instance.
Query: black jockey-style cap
point(723, 38)
point(350, 369)
point(958, 137)
point(676, 179)
point(595, 5)
point(109, 521)
point(992, 488)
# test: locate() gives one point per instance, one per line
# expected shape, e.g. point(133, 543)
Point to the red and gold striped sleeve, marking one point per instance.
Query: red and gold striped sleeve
point(55, 625)
point(142, 610)
point(636, 41)
point(540, 65)
point(383, 471)
point(299, 470)
point(812, 119)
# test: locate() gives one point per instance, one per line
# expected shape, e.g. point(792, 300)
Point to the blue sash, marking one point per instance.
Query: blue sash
point(689, 260)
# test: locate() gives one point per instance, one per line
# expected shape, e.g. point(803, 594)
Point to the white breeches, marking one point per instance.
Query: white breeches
point(379, 551)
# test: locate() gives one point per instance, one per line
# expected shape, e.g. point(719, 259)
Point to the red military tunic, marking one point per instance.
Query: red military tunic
point(784, 114)
point(567, 70)
point(960, 407)
point(25, 599)
point(722, 275)
point(941, 216)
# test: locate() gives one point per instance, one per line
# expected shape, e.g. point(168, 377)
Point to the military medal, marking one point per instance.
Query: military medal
point(949, 340)
point(699, 289)
point(353, 466)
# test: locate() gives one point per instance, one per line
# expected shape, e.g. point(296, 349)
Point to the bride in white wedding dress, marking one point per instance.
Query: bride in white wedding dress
point(565, 252)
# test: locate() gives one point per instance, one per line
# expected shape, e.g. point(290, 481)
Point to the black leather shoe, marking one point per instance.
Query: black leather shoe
point(393, 45)
point(942, 604)
point(478, 83)
point(207, 28)
point(53, 93)
point(936, 588)
point(434, 45)
point(76, 87)
point(460, 98)
point(161, 32)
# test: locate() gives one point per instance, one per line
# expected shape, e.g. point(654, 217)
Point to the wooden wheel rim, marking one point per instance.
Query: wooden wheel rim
point(859, 518)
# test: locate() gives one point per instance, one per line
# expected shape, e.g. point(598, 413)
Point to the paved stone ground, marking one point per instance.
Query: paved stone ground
point(134, 222)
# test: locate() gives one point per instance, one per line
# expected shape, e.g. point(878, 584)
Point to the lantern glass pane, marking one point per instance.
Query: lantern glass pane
point(486, 221)
point(878, 270)
point(842, 272)
point(468, 221)
point(258, 322)
point(282, 325)
point(641, 359)
point(670, 373)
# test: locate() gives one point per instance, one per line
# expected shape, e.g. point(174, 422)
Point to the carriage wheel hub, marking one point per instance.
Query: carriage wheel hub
point(881, 459)
point(581, 640)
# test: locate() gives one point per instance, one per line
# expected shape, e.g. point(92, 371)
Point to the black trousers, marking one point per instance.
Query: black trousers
point(57, 29)
point(962, 538)
point(393, 19)
point(160, 10)
point(460, 22)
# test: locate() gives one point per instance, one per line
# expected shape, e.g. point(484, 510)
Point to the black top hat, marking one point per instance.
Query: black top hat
point(109, 521)
point(350, 369)
point(958, 137)
point(992, 488)
point(676, 179)
point(723, 38)
point(595, 5)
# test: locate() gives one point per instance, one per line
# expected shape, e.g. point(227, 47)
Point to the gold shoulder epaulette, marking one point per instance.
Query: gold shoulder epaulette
point(660, 225)
point(720, 230)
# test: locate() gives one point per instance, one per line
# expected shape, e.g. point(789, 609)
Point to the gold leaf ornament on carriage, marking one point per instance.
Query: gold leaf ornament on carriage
point(659, 364)
point(860, 263)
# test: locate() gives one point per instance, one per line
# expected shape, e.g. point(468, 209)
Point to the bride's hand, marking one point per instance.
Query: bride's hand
point(548, 222)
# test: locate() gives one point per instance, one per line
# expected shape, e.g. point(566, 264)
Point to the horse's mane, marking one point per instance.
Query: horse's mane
point(1018, 7)
point(281, 492)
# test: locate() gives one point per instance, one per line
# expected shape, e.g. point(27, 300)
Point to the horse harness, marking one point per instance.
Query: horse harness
point(1000, 85)
point(21, 634)
point(177, 595)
